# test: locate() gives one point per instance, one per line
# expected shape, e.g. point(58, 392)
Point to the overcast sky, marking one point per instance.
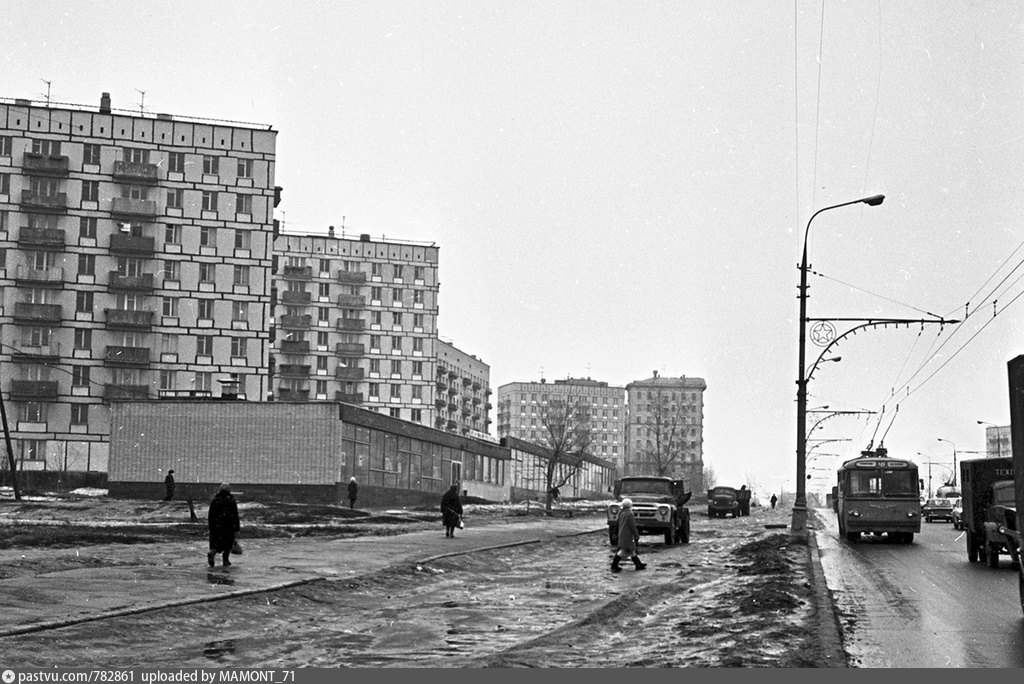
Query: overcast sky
point(618, 188)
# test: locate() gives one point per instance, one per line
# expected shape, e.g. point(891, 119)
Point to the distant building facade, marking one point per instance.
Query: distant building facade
point(527, 477)
point(463, 386)
point(659, 406)
point(520, 411)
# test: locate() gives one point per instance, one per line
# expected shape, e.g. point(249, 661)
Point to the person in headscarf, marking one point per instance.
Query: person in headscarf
point(223, 523)
point(451, 510)
point(629, 536)
point(353, 491)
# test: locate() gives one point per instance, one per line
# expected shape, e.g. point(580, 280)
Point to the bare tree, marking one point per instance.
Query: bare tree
point(567, 435)
point(666, 428)
point(710, 479)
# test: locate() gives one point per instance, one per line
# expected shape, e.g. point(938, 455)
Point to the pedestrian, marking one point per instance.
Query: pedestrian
point(223, 523)
point(629, 537)
point(774, 500)
point(554, 494)
point(169, 485)
point(353, 490)
point(451, 510)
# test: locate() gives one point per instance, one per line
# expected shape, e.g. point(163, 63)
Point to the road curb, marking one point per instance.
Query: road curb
point(830, 633)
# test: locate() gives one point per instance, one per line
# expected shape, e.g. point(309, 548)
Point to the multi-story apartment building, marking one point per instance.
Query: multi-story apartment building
point(520, 411)
point(666, 428)
point(463, 392)
point(355, 320)
point(135, 255)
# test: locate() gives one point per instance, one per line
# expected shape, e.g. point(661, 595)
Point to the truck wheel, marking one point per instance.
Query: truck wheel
point(852, 536)
point(972, 548)
point(908, 538)
point(992, 555)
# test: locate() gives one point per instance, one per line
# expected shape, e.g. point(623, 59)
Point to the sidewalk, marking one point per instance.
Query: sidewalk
point(121, 579)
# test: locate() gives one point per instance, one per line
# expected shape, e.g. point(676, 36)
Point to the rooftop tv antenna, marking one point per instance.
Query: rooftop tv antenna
point(142, 101)
point(47, 90)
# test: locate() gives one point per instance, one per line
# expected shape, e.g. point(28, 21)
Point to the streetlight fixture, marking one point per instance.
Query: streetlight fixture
point(800, 503)
point(999, 446)
point(954, 458)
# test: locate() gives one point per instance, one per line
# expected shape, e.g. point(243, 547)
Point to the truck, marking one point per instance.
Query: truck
point(659, 507)
point(980, 478)
point(1015, 373)
point(723, 501)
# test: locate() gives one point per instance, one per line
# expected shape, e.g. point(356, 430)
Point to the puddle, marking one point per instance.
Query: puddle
point(215, 650)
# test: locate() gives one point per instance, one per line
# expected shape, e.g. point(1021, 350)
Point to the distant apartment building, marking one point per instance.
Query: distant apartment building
point(135, 255)
point(520, 410)
point(463, 386)
point(355, 321)
point(666, 428)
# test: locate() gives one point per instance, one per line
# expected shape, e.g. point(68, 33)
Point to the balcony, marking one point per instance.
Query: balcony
point(25, 312)
point(125, 243)
point(45, 164)
point(130, 206)
point(476, 386)
point(441, 370)
point(452, 406)
point(297, 273)
point(466, 382)
point(439, 403)
point(293, 370)
point(451, 425)
point(351, 277)
point(58, 201)
point(349, 397)
point(351, 324)
point(124, 282)
point(439, 422)
point(453, 390)
point(43, 352)
point(476, 400)
point(125, 392)
point(295, 297)
point(30, 390)
point(488, 406)
point(466, 411)
point(349, 349)
point(342, 373)
point(441, 387)
point(295, 346)
point(452, 374)
point(39, 276)
point(296, 322)
point(127, 356)
point(135, 172)
point(351, 300)
point(46, 238)
point(293, 394)
point(129, 318)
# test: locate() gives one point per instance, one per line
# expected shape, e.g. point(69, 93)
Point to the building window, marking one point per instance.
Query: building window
point(172, 234)
point(204, 381)
point(172, 270)
point(417, 344)
point(87, 227)
point(79, 376)
point(5, 184)
point(245, 168)
point(375, 318)
point(87, 264)
point(325, 265)
point(167, 379)
point(238, 347)
point(209, 200)
point(137, 192)
point(90, 191)
point(396, 391)
point(417, 272)
point(207, 273)
point(323, 314)
point(240, 311)
point(417, 296)
point(417, 392)
point(241, 275)
point(46, 147)
point(83, 302)
point(395, 412)
point(321, 363)
point(205, 309)
point(398, 271)
point(83, 338)
point(375, 294)
point(79, 414)
point(243, 238)
point(375, 366)
point(374, 390)
point(204, 345)
point(375, 342)
point(243, 204)
point(33, 412)
point(211, 164)
point(396, 343)
point(321, 387)
point(417, 415)
point(170, 307)
point(5, 146)
point(91, 154)
point(324, 290)
point(175, 198)
point(176, 162)
point(417, 368)
point(396, 295)
point(207, 236)
point(321, 338)
point(417, 321)
point(375, 269)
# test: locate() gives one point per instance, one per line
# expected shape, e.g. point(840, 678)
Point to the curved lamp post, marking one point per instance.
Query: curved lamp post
point(800, 503)
point(954, 459)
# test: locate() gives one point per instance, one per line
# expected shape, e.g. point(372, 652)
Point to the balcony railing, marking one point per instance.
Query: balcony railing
point(351, 300)
point(45, 164)
point(297, 273)
point(122, 392)
point(54, 274)
point(58, 201)
point(349, 397)
point(349, 349)
point(33, 389)
point(293, 394)
point(124, 282)
point(37, 313)
point(351, 324)
point(43, 351)
point(351, 277)
point(133, 356)
point(342, 373)
point(135, 172)
point(296, 322)
point(129, 318)
point(293, 370)
point(451, 425)
point(295, 297)
point(41, 237)
point(295, 346)
point(440, 403)
point(131, 206)
point(132, 244)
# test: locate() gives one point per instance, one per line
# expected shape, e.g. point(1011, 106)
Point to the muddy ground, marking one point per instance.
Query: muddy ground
point(739, 595)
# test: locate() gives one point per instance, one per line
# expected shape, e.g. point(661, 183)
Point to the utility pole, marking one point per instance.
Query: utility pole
point(10, 450)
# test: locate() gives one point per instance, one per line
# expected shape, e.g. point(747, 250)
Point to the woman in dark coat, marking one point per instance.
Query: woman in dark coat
point(451, 510)
point(223, 523)
point(628, 538)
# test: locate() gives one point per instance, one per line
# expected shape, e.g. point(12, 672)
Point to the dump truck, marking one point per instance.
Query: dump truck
point(659, 507)
point(978, 478)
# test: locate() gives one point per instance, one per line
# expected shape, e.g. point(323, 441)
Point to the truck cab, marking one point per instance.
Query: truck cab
point(978, 478)
point(1001, 519)
point(659, 507)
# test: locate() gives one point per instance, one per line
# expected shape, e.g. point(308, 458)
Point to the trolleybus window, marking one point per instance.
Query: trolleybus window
point(898, 483)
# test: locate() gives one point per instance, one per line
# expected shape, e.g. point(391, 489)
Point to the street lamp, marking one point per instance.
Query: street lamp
point(999, 446)
point(800, 504)
point(954, 458)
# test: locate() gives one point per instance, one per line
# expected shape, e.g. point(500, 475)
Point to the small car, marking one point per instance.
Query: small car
point(958, 514)
point(937, 508)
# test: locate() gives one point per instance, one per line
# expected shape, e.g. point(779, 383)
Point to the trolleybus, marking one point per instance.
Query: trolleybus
point(877, 494)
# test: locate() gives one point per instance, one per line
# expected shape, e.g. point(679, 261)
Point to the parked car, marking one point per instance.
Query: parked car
point(934, 509)
point(958, 514)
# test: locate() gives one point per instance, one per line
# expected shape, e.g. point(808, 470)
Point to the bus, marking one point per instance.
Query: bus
point(877, 494)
